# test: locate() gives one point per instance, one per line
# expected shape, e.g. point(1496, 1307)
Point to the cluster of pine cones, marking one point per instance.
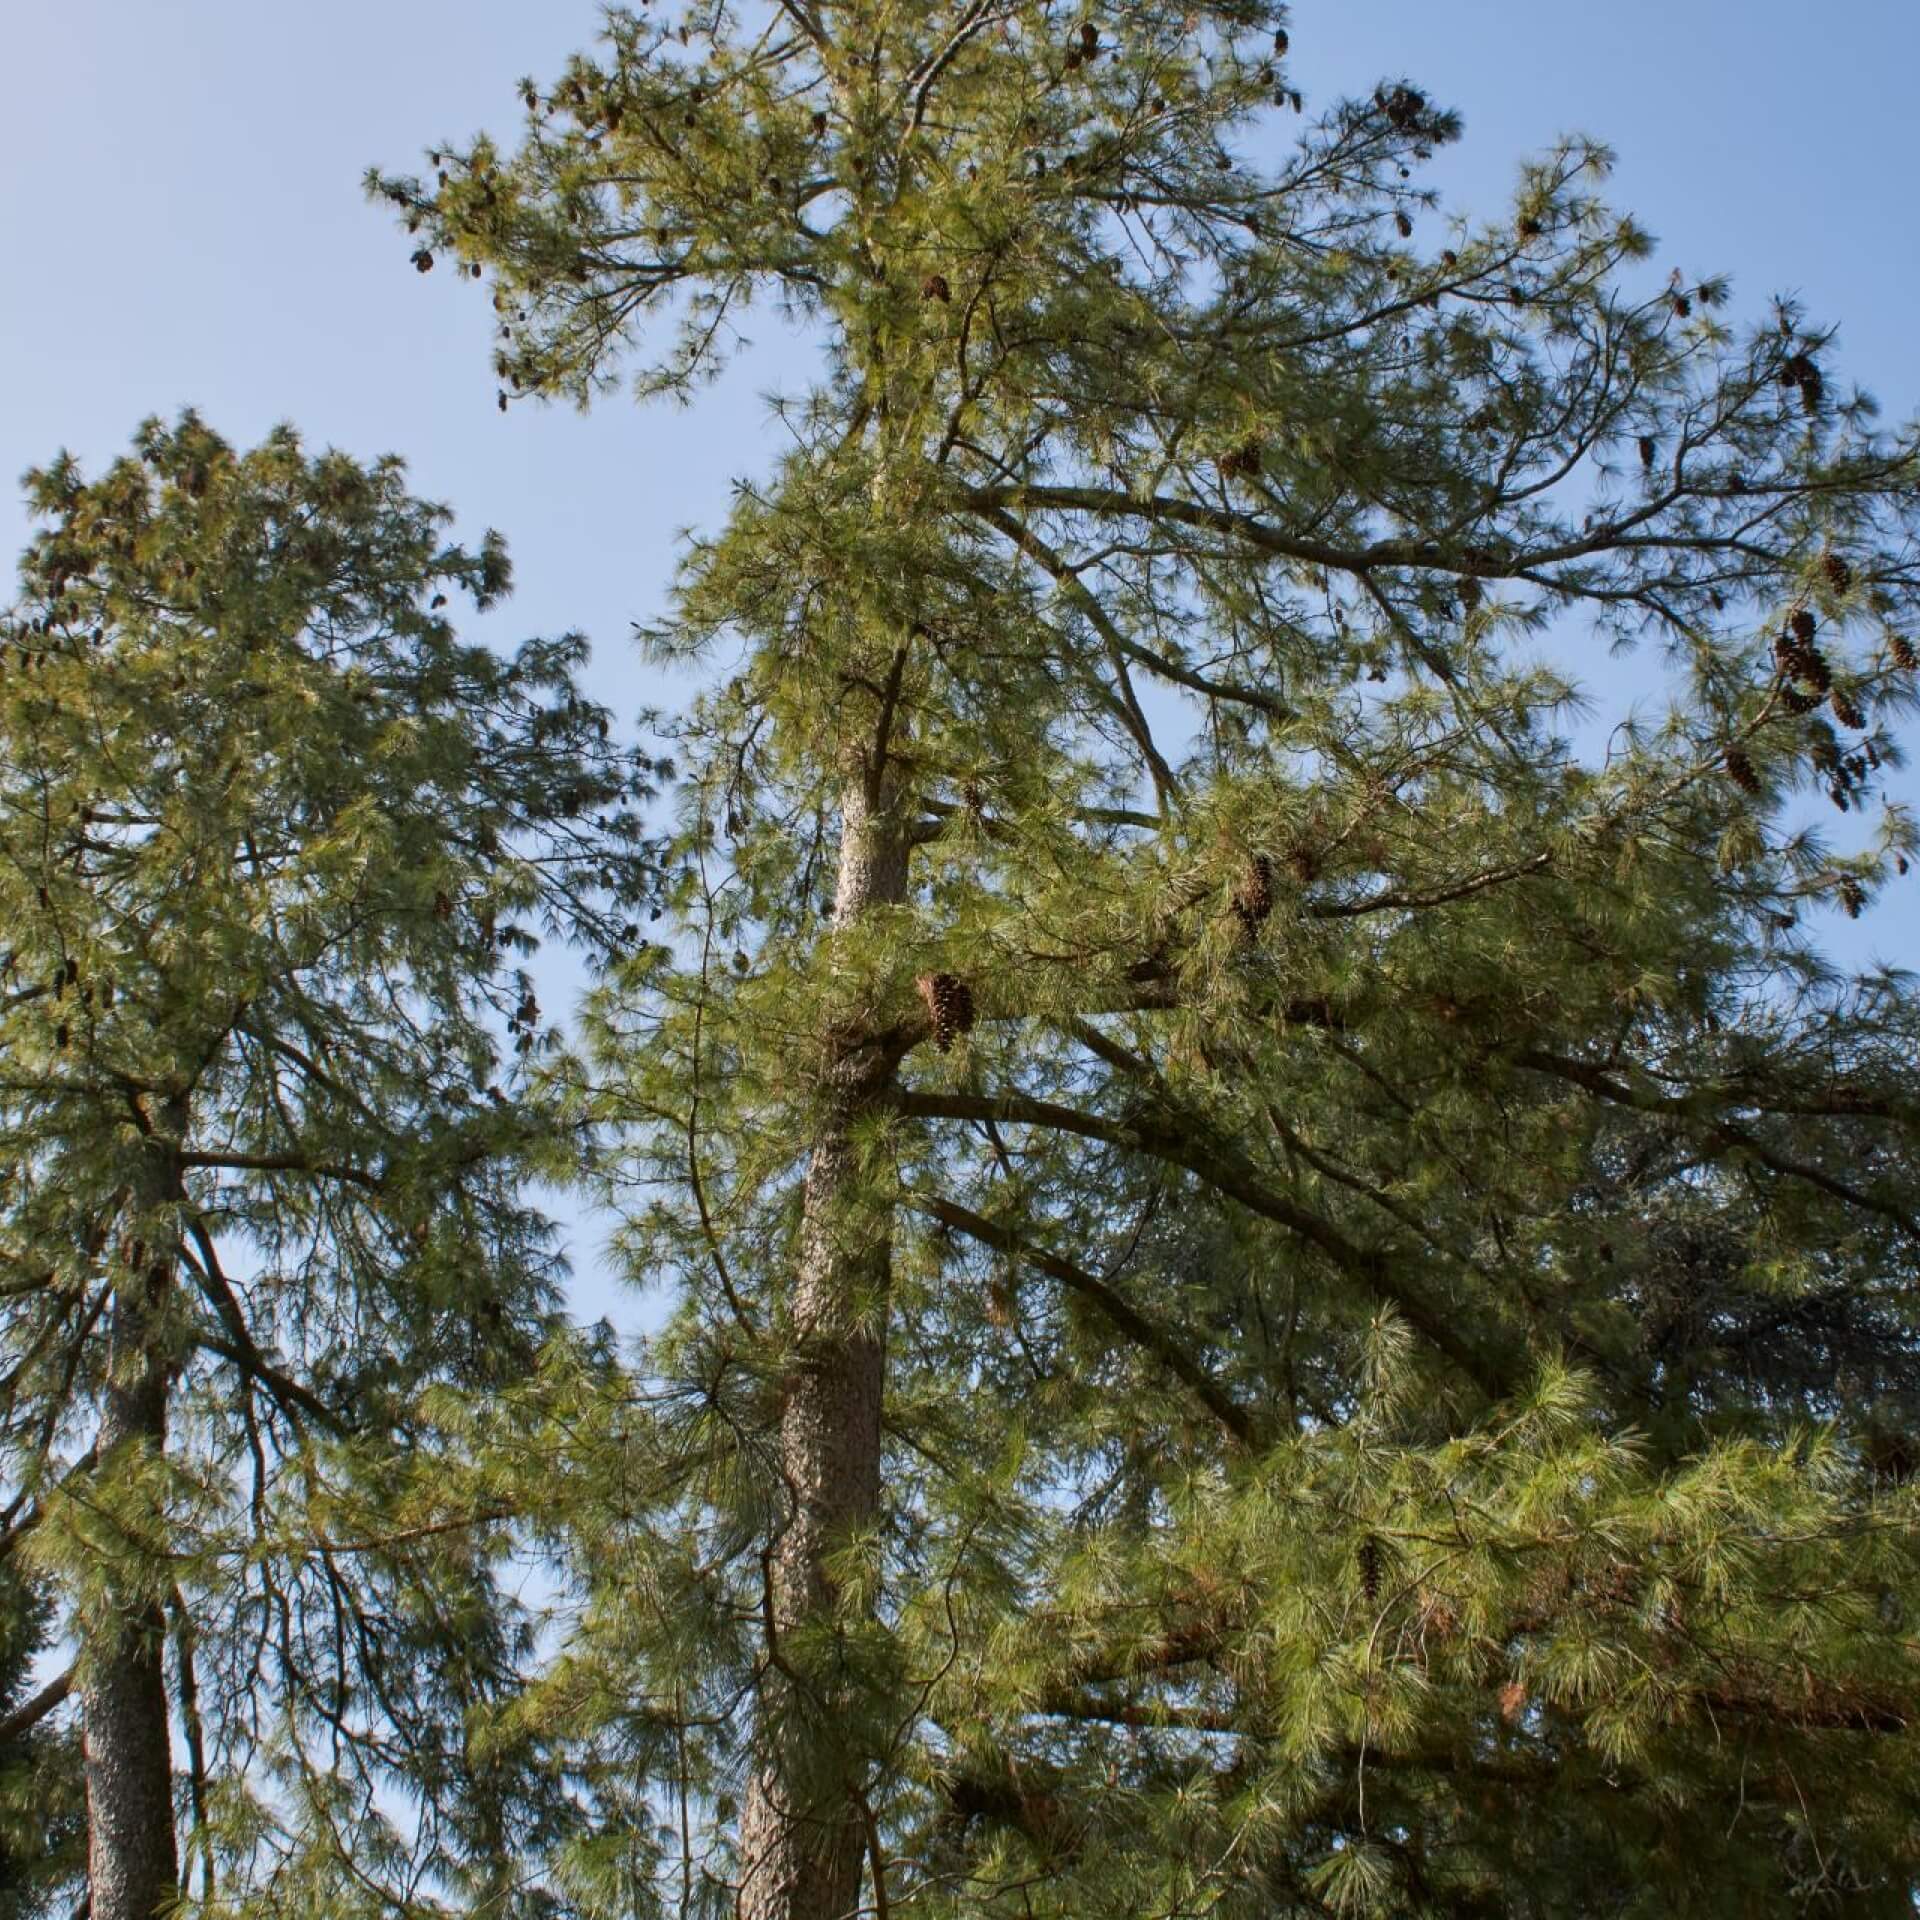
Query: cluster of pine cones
point(949, 1004)
point(1800, 660)
point(1802, 663)
point(1846, 773)
point(1797, 370)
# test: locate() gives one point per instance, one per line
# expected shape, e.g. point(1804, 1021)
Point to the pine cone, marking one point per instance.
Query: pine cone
point(949, 1003)
point(1804, 625)
point(1839, 573)
point(1245, 460)
point(1370, 1569)
point(1846, 712)
point(1853, 896)
point(1253, 898)
point(934, 287)
point(1900, 652)
point(1740, 771)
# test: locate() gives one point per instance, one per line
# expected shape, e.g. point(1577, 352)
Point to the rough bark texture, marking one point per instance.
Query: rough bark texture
point(800, 1831)
point(133, 1864)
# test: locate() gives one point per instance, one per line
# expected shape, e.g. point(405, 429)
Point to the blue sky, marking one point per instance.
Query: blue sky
point(182, 223)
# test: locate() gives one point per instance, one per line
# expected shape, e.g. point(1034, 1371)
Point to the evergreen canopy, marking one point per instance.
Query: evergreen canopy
point(264, 826)
point(1291, 1263)
point(1295, 1277)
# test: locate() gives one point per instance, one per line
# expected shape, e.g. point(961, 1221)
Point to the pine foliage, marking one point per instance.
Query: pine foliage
point(1399, 1361)
point(273, 840)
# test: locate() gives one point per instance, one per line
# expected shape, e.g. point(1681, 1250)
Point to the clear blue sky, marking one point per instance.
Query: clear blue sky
point(181, 223)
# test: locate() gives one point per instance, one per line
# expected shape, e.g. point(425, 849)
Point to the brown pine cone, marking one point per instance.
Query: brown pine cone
point(1253, 898)
point(949, 1003)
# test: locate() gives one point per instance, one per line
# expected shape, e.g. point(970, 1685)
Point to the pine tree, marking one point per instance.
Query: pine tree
point(42, 1829)
point(1295, 1281)
point(271, 838)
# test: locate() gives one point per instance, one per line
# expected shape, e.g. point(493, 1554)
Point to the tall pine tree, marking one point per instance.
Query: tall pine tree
point(1294, 1275)
point(272, 841)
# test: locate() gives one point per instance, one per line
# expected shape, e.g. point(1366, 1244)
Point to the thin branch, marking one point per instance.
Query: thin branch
point(1146, 1334)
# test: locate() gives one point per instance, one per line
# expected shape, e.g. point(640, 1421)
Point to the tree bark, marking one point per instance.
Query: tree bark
point(801, 1834)
point(133, 1862)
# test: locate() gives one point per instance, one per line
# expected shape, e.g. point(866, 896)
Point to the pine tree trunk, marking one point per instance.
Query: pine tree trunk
point(800, 1831)
point(133, 1862)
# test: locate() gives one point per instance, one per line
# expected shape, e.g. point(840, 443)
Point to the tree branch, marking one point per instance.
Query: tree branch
point(1146, 1334)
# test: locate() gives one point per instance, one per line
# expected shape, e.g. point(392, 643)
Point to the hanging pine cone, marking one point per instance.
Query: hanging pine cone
point(1900, 652)
point(934, 287)
point(1740, 771)
point(1804, 625)
point(1244, 461)
point(999, 1301)
point(949, 1003)
point(1799, 700)
point(1839, 573)
point(1370, 1564)
point(1846, 712)
point(1253, 897)
point(1648, 449)
point(1853, 896)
